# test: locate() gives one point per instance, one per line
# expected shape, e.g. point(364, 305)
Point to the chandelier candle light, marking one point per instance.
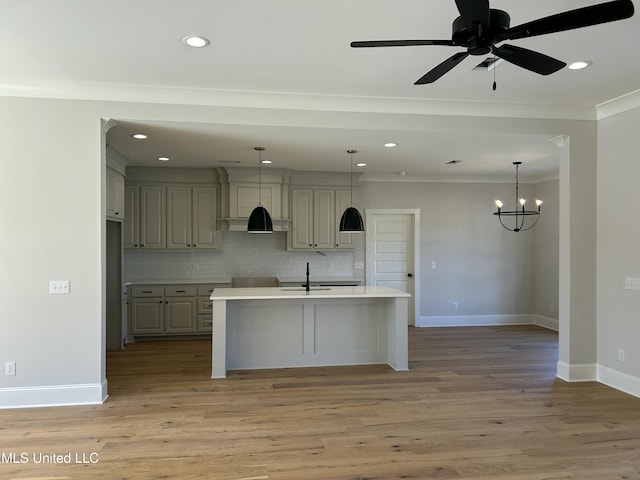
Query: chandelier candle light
point(519, 213)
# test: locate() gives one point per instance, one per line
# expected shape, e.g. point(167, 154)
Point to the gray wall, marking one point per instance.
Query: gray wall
point(545, 252)
point(486, 269)
point(618, 247)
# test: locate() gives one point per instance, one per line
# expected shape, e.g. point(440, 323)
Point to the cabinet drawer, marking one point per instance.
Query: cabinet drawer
point(205, 305)
point(147, 291)
point(204, 323)
point(205, 290)
point(180, 291)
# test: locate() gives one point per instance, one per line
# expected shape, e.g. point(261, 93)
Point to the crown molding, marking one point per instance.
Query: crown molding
point(618, 105)
point(294, 101)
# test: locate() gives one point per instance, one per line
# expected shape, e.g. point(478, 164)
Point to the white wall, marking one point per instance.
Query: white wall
point(52, 229)
point(618, 250)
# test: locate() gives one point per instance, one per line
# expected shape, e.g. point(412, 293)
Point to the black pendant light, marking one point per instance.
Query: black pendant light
point(351, 220)
point(260, 220)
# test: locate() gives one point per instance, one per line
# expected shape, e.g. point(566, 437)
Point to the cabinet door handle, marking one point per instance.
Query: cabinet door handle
point(181, 291)
point(147, 291)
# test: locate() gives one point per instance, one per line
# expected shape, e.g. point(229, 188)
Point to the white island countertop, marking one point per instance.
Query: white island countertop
point(266, 293)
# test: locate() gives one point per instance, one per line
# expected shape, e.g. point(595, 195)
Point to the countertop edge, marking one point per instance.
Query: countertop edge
point(277, 293)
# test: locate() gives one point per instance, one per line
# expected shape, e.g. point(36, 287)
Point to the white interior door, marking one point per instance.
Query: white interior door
point(392, 258)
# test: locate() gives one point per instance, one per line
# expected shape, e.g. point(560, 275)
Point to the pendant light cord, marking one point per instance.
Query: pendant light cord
point(351, 152)
point(260, 150)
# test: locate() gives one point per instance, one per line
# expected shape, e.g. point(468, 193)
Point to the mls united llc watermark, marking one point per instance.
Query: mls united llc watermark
point(68, 458)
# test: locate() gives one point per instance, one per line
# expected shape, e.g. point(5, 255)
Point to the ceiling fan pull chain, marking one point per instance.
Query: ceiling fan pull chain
point(495, 65)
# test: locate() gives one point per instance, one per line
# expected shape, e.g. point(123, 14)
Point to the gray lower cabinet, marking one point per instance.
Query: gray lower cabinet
point(147, 316)
point(180, 309)
point(171, 310)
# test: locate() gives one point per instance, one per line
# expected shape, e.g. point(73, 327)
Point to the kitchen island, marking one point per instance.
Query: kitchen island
point(278, 327)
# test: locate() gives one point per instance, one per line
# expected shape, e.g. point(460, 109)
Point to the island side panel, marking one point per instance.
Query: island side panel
point(398, 333)
point(266, 334)
point(349, 332)
point(219, 339)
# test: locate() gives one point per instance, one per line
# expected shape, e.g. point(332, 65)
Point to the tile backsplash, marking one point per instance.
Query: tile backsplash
point(242, 255)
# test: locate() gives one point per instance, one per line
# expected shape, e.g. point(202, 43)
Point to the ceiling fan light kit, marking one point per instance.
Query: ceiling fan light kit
point(519, 213)
point(480, 29)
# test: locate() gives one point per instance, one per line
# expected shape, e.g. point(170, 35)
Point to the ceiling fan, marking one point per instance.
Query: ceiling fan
point(479, 29)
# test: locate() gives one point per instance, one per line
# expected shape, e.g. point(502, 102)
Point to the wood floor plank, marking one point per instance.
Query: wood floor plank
point(477, 403)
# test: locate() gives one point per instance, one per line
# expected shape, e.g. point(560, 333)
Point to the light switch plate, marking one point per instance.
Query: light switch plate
point(632, 283)
point(358, 265)
point(59, 287)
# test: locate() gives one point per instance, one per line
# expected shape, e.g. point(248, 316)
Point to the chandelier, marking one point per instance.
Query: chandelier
point(519, 214)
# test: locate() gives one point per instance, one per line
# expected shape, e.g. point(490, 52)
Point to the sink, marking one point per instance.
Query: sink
point(303, 289)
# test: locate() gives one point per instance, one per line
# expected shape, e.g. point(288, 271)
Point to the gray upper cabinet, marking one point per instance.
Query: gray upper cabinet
point(315, 219)
point(191, 218)
point(115, 195)
point(165, 218)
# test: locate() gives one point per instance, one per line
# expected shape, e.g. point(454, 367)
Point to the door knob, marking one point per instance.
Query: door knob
point(409, 275)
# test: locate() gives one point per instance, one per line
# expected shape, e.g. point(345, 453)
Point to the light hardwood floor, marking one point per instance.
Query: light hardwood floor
point(477, 403)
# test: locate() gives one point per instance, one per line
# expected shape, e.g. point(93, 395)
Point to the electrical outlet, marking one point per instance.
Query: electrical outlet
point(621, 354)
point(433, 264)
point(10, 369)
point(455, 305)
point(59, 287)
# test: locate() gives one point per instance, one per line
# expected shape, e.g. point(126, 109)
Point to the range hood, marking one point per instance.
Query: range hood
point(240, 195)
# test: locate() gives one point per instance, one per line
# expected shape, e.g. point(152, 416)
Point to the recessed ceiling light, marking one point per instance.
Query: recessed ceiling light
point(266, 161)
point(361, 164)
point(390, 144)
point(139, 136)
point(195, 41)
point(163, 159)
point(579, 65)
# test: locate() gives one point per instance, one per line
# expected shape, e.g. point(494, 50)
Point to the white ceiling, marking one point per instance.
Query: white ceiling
point(301, 47)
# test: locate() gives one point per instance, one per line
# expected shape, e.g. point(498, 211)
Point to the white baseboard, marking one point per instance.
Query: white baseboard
point(485, 320)
point(474, 320)
point(546, 322)
point(53, 396)
point(618, 380)
point(586, 372)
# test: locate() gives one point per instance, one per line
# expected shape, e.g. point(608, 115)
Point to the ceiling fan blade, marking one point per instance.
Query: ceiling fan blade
point(400, 43)
point(438, 71)
point(525, 58)
point(474, 12)
point(578, 18)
